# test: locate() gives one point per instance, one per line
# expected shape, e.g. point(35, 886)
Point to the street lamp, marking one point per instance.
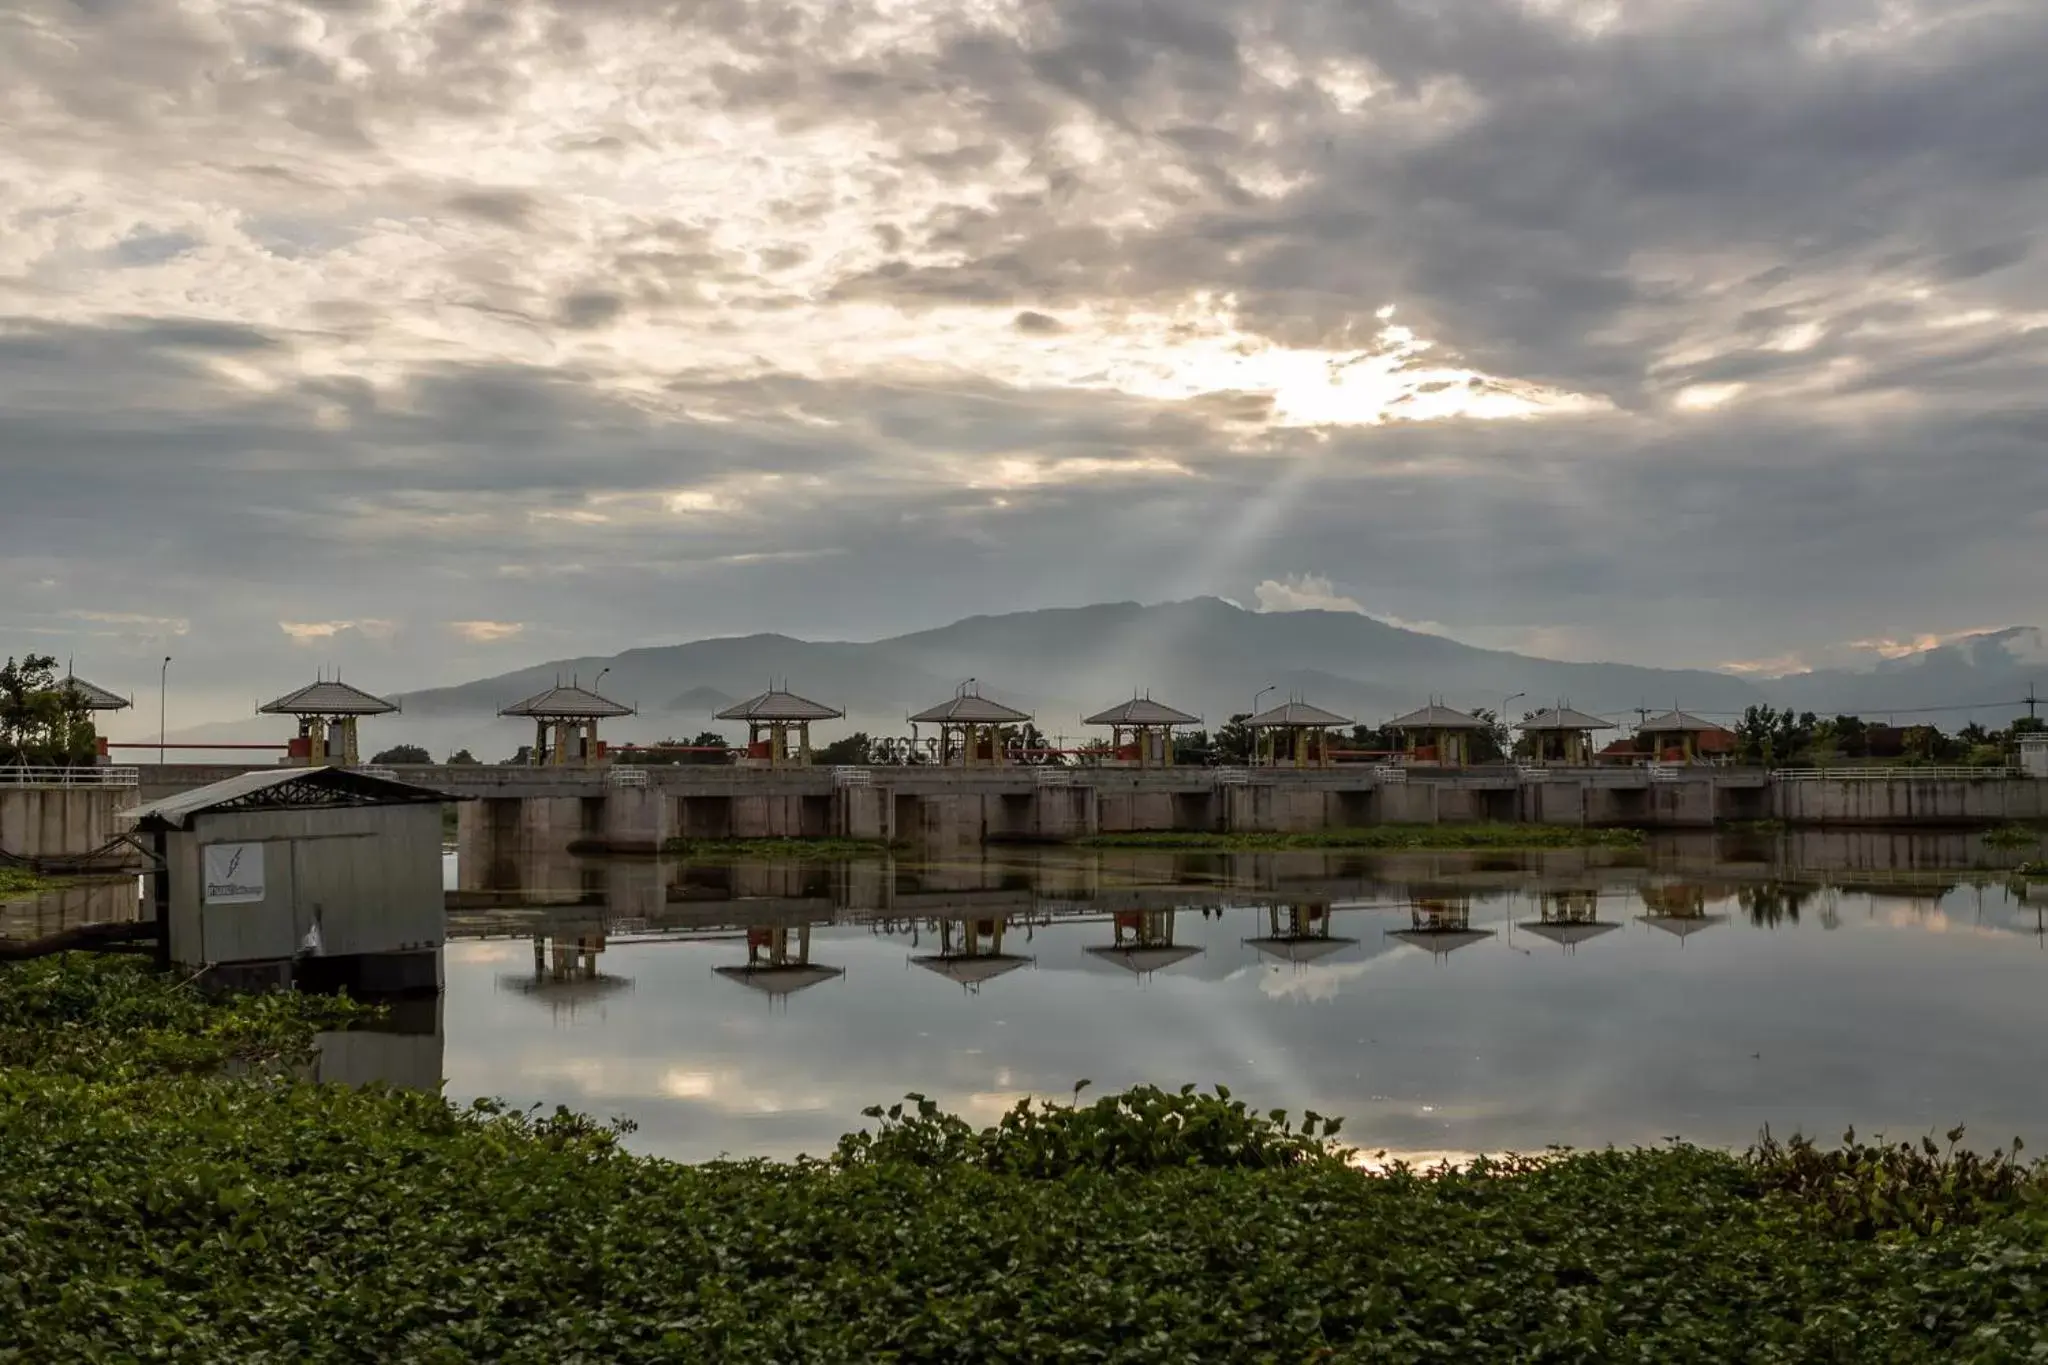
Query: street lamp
point(1253, 756)
point(163, 707)
point(1500, 721)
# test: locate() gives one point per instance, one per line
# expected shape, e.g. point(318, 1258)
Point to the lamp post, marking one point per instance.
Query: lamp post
point(1253, 757)
point(1500, 719)
point(163, 707)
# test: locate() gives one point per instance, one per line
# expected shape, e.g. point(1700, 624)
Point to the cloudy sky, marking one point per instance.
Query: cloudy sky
point(432, 339)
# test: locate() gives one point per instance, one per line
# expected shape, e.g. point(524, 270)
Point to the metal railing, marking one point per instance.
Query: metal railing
point(70, 777)
point(369, 770)
point(1934, 774)
point(852, 777)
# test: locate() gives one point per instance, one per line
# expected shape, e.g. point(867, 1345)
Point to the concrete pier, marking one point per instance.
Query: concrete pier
point(515, 812)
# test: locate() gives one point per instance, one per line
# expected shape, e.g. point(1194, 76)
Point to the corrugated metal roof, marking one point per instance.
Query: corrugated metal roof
point(776, 704)
point(1300, 949)
point(306, 787)
point(1569, 935)
point(971, 708)
point(972, 971)
point(1436, 717)
point(96, 698)
point(1142, 711)
point(1564, 718)
point(566, 701)
point(780, 980)
point(1296, 715)
point(1140, 961)
point(329, 697)
point(1678, 722)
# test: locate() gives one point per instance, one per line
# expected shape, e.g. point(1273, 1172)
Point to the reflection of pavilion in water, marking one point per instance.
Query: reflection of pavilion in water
point(1680, 908)
point(1142, 942)
point(1299, 933)
point(971, 950)
point(779, 962)
point(565, 972)
point(1440, 925)
point(1568, 918)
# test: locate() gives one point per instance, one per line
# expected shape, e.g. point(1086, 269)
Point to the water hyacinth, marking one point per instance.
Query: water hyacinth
point(161, 1204)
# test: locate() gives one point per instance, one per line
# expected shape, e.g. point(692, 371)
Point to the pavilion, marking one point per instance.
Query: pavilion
point(1679, 737)
point(1293, 733)
point(773, 969)
point(565, 972)
point(1438, 734)
point(94, 698)
point(327, 711)
point(1569, 918)
point(1441, 926)
point(1302, 936)
point(1558, 734)
point(971, 728)
point(565, 721)
point(770, 717)
point(1680, 908)
point(1141, 731)
point(1142, 942)
point(973, 956)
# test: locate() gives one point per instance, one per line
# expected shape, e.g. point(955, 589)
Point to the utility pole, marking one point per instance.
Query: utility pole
point(163, 707)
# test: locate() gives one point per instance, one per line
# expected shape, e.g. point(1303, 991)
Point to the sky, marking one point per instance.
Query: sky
point(429, 340)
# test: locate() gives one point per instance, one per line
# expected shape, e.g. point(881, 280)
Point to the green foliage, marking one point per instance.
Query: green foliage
point(854, 750)
point(19, 881)
point(2032, 869)
point(42, 722)
point(708, 748)
point(2011, 836)
point(156, 1208)
point(405, 753)
point(462, 758)
point(1388, 837)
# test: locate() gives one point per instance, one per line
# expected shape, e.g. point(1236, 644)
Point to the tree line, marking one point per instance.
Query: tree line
point(43, 724)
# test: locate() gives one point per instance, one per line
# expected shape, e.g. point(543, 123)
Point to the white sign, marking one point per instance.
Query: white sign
point(234, 873)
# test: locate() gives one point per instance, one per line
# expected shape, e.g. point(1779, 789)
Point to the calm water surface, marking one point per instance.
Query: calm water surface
point(1444, 1003)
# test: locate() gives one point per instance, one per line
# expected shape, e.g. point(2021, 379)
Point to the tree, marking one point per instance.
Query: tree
point(404, 753)
point(854, 750)
point(709, 747)
point(462, 758)
point(42, 722)
point(1194, 749)
point(519, 759)
point(1491, 744)
point(1234, 741)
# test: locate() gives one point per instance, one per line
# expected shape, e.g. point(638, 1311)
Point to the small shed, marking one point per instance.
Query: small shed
point(2034, 754)
point(327, 712)
point(322, 876)
point(1294, 733)
point(1141, 731)
point(1681, 737)
point(770, 717)
point(1558, 734)
point(1438, 734)
point(972, 728)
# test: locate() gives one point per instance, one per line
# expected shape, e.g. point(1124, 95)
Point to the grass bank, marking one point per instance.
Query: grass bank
point(775, 848)
point(2014, 836)
point(1390, 837)
point(155, 1211)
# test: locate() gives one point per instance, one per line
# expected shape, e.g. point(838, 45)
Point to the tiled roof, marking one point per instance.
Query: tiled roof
point(776, 704)
point(1296, 715)
point(1564, 718)
point(96, 698)
point(1141, 711)
point(971, 708)
point(566, 701)
point(1436, 717)
point(329, 697)
point(1678, 722)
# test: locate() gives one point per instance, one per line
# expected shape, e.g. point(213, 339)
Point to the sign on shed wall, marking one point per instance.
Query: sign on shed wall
point(233, 872)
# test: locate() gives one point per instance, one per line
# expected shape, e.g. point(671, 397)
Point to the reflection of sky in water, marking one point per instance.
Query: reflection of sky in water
point(1894, 1012)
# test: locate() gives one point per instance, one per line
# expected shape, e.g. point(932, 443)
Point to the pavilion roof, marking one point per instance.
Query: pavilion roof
point(1684, 926)
point(1296, 715)
point(95, 698)
point(1436, 717)
point(1300, 949)
point(972, 971)
point(1142, 711)
point(328, 697)
point(971, 708)
point(1141, 961)
point(567, 701)
point(1564, 718)
point(1441, 941)
point(1679, 722)
point(1569, 935)
point(778, 704)
point(784, 980)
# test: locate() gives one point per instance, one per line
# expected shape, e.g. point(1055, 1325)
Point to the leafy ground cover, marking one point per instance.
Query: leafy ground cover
point(152, 1209)
point(1390, 837)
point(2012, 836)
point(19, 881)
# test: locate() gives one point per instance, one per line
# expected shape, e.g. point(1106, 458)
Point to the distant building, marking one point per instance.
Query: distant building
point(1558, 734)
point(1680, 737)
point(770, 718)
point(1294, 734)
point(1438, 734)
point(1141, 731)
point(973, 730)
point(2034, 754)
point(565, 721)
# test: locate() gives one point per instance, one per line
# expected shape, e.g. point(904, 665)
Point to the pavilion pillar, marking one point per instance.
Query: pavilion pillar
point(803, 743)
